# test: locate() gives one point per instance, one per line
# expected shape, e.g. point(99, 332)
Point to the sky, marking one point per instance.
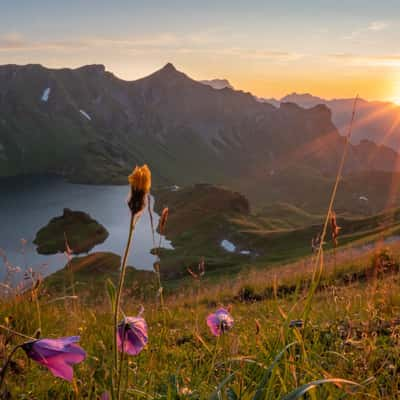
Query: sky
point(270, 48)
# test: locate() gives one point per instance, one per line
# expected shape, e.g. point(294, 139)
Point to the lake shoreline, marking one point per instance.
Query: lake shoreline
point(29, 202)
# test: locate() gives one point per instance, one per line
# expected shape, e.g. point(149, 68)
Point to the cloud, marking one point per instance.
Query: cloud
point(376, 26)
point(12, 41)
point(15, 42)
point(208, 43)
point(352, 35)
point(162, 40)
point(245, 54)
point(259, 54)
point(385, 60)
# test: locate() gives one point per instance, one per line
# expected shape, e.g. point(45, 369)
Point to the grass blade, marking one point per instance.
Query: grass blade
point(111, 290)
point(260, 392)
point(217, 393)
point(300, 391)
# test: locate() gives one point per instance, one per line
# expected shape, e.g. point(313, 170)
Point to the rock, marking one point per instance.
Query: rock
point(78, 228)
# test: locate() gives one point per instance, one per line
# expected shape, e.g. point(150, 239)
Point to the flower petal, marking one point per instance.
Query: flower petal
point(57, 344)
point(220, 321)
point(133, 333)
point(59, 367)
point(213, 324)
point(58, 355)
point(61, 364)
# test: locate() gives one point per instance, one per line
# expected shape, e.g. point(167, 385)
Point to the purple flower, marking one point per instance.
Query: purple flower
point(105, 396)
point(220, 321)
point(132, 335)
point(58, 355)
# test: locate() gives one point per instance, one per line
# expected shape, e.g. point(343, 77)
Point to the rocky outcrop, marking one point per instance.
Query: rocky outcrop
point(73, 231)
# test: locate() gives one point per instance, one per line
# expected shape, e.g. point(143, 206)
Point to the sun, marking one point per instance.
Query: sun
point(395, 100)
point(395, 91)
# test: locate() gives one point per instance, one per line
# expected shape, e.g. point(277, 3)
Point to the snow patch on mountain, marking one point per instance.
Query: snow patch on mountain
point(45, 95)
point(85, 114)
point(228, 246)
point(217, 83)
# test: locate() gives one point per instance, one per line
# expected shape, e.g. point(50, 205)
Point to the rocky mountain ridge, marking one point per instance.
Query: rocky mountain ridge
point(90, 126)
point(376, 121)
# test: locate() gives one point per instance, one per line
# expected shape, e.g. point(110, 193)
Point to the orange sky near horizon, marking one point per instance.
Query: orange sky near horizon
point(371, 83)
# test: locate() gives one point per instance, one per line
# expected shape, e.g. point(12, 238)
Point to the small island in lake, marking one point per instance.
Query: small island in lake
point(76, 228)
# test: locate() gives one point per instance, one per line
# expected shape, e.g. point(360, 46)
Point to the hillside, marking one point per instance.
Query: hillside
point(89, 274)
point(350, 333)
point(218, 225)
point(90, 126)
point(377, 121)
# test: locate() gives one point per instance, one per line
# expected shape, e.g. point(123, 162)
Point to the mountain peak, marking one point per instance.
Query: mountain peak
point(168, 67)
point(168, 73)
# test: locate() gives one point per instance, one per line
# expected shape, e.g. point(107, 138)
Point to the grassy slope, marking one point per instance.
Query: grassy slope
point(352, 334)
point(310, 190)
point(90, 274)
point(202, 216)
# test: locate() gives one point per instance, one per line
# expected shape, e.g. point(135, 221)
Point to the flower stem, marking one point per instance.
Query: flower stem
point(72, 280)
point(120, 287)
point(35, 297)
point(214, 358)
point(38, 313)
point(4, 369)
point(121, 360)
point(16, 333)
point(158, 272)
point(319, 263)
point(5, 366)
point(161, 290)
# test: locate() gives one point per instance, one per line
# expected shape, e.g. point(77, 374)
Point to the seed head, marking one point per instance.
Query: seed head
point(163, 220)
point(140, 181)
point(258, 326)
point(335, 228)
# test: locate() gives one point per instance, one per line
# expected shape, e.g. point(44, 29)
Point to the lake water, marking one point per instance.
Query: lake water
point(28, 203)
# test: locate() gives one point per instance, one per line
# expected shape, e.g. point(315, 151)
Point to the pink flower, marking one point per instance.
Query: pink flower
point(220, 321)
point(132, 335)
point(58, 355)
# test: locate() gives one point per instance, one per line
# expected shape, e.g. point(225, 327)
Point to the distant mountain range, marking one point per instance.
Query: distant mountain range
point(375, 120)
point(90, 126)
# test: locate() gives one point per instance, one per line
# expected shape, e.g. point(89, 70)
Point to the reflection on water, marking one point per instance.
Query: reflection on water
point(27, 204)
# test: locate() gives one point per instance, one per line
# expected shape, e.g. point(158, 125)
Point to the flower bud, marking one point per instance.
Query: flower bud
point(140, 181)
